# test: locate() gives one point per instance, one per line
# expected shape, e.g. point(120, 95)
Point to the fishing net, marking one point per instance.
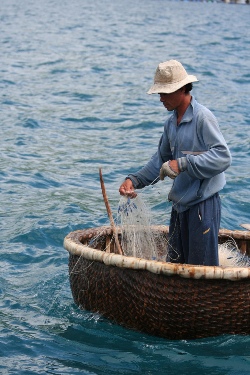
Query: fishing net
point(141, 239)
point(230, 255)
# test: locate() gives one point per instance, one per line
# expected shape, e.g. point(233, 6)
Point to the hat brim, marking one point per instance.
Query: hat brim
point(168, 88)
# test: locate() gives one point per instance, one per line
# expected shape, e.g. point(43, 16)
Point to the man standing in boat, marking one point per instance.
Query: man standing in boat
point(193, 152)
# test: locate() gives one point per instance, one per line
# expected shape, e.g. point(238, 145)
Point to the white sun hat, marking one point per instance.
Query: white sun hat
point(170, 76)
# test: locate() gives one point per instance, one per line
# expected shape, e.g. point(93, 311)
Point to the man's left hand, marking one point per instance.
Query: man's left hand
point(170, 169)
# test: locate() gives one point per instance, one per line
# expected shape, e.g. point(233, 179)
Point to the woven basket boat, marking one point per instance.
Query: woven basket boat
point(169, 300)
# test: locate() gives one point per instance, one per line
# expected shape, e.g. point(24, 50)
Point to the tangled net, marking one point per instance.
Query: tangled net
point(139, 239)
point(230, 255)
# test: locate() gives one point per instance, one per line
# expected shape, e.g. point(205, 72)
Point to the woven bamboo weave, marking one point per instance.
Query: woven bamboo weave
point(166, 305)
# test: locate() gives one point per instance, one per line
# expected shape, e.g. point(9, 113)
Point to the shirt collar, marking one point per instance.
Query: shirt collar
point(188, 115)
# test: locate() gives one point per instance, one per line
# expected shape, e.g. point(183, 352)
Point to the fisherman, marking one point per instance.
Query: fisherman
point(193, 152)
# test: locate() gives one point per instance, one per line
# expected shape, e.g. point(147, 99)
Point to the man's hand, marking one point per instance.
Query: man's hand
point(127, 189)
point(170, 169)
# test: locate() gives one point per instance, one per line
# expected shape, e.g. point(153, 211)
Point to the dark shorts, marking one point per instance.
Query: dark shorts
point(193, 234)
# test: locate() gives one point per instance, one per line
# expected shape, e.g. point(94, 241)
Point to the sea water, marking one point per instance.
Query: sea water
point(74, 77)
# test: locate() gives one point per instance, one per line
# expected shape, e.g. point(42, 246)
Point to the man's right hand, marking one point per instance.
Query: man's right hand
point(127, 189)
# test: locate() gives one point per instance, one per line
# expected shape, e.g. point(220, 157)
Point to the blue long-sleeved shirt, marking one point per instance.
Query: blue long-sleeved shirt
point(202, 154)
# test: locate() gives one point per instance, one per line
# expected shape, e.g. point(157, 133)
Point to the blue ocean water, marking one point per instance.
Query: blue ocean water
point(74, 76)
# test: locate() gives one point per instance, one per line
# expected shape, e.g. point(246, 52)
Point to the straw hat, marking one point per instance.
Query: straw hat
point(170, 76)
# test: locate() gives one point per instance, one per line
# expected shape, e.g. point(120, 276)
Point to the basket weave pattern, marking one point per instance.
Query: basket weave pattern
point(168, 306)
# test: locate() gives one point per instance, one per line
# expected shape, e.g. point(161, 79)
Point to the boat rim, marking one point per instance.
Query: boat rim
point(74, 246)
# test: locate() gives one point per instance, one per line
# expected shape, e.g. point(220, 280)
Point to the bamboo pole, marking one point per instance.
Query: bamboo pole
point(105, 198)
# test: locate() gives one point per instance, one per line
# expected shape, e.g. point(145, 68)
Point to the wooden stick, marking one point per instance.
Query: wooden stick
point(105, 198)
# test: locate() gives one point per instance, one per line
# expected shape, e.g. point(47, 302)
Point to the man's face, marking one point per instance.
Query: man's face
point(172, 101)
